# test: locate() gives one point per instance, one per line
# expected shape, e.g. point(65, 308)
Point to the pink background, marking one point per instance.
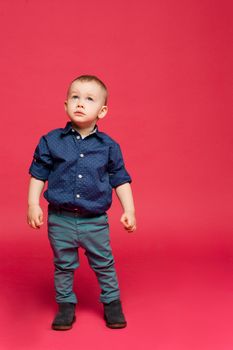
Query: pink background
point(168, 67)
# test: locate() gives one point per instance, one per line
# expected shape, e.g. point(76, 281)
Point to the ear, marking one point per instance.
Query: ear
point(65, 105)
point(103, 112)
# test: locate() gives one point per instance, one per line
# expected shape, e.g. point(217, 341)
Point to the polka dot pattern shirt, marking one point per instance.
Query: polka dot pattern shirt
point(81, 172)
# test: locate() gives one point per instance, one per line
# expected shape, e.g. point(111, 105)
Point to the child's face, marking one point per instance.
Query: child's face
point(85, 103)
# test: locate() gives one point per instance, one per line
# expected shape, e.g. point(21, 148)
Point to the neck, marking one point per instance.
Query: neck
point(85, 130)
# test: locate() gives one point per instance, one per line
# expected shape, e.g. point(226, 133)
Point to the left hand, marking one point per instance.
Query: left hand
point(129, 221)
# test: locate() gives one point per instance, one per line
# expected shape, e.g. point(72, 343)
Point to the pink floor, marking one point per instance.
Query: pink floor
point(175, 297)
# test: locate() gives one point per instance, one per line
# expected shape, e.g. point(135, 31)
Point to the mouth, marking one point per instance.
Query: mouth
point(78, 112)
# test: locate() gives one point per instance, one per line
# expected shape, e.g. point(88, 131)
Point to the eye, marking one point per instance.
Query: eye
point(90, 99)
point(74, 97)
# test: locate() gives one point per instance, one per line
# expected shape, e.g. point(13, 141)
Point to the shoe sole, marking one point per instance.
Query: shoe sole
point(63, 327)
point(116, 325)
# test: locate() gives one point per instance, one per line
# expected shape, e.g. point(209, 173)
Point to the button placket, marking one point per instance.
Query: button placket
point(80, 176)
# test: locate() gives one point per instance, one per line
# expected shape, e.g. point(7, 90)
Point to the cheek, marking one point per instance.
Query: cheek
point(69, 109)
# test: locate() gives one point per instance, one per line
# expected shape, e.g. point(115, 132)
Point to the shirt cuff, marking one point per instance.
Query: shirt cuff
point(38, 171)
point(119, 179)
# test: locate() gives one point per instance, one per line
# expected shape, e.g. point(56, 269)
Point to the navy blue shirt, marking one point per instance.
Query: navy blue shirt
point(81, 172)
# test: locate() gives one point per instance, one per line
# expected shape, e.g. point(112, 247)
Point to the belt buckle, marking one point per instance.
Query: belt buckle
point(76, 213)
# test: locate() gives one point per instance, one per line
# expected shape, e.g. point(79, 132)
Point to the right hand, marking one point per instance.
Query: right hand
point(35, 216)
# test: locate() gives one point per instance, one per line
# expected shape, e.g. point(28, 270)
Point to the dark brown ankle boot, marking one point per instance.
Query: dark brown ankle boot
point(113, 315)
point(65, 317)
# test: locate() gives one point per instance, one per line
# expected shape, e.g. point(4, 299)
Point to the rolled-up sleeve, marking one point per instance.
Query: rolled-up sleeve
point(118, 174)
point(42, 161)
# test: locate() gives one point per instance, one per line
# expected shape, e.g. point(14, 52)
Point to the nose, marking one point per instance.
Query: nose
point(80, 103)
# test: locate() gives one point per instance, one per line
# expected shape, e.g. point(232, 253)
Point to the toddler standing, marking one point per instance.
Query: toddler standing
point(82, 165)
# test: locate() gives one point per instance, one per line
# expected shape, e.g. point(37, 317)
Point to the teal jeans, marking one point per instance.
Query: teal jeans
point(68, 231)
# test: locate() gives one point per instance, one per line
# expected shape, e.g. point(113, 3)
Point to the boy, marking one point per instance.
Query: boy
point(81, 165)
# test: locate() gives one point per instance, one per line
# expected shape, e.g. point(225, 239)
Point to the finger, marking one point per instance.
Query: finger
point(128, 222)
point(41, 217)
point(37, 222)
point(40, 223)
point(33, 224)
point(123, 219)
point(130, 225)
point(132, 229)
point(127, 225)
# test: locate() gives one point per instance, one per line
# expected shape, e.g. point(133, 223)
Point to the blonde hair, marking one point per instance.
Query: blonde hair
point(88, 77)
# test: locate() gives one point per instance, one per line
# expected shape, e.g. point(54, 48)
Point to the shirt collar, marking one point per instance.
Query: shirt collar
point(68, 128)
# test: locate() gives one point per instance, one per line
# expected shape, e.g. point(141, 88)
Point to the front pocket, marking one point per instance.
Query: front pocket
point(106, 217)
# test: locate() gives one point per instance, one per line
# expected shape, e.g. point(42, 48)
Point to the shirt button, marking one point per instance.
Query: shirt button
point(78, 195)
point(78, 137)
point(80, 176)
point(81, 155)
